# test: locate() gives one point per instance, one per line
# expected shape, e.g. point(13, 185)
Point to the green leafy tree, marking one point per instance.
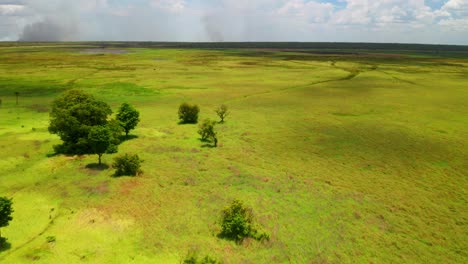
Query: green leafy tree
point(207, 131)
point(188, 114)
point(5, 212)
point(222, 112)
point(127, 165)
point(237, 223)
point(100, 139)
point(116, 131)
point(128, 117)
point(72, 116)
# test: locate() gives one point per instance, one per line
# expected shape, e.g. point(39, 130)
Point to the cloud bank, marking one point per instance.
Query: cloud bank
point(409, 21)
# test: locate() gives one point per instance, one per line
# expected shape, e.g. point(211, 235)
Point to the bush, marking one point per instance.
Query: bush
point(127, 165)
point(237, 223)
point(188, 114)
point(192, 258)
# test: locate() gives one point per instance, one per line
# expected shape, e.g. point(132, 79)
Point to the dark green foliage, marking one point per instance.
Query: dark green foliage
point(116, 131)
point(73, 115)
point(222, 112)
point(237, 223)
point(192, 258)
point(100, 139)
point(127, 165)
point(128, 117)
point(5, 211)
point(207, 131)
point(188, 114)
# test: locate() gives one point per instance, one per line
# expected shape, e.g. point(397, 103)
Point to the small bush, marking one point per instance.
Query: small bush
point(127, 165)
point(50, 239)
point(188, 114)
point(192, 258)
point(237, 223)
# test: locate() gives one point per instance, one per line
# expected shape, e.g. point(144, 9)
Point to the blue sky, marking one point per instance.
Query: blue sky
point(403, 21)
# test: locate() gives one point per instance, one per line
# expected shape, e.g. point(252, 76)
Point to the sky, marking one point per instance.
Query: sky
point(390, 21)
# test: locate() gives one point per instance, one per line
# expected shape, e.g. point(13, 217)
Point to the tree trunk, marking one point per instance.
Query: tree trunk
point(99, 158)
point(126, 133)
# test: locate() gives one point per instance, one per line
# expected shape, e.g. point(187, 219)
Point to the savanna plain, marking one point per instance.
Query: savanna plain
point(343, 158)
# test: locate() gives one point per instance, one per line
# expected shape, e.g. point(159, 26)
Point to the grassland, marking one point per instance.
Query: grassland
point(358, 158)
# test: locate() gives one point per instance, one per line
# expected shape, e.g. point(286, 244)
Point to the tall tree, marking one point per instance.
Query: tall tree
point(5, 212)
point(128, 117)
point(72, 116)
point(100, 139)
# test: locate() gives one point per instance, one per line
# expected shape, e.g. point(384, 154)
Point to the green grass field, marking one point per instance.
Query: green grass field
point(343, 158)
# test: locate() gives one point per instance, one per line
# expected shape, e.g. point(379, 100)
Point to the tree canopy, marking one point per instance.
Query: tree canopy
point(100, 139)
point(128, 117)
point(5, 211)
point(72, 116)
point(188, 114)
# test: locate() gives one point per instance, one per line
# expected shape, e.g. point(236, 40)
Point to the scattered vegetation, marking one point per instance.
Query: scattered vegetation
point(222, 112)
point(188, 114)
point(193, 258)
point(6, 210)
point(238, 223)
point(317, 166)
point(128, 117)
point(127, 165)
point(50, 239)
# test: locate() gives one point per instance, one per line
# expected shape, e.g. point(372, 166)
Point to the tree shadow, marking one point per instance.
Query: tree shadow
point(4, 244)
point(51, 155)
point(124, 138)
point(181, 123)
point(97, 167)
point(208, 145)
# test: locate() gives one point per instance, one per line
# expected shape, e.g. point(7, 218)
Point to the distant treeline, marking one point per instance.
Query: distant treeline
point(261, 45)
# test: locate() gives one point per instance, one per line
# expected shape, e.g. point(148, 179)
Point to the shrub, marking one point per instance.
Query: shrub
point(222, 112)
point(188, 114)
point(237, 223)
point(127, 165)
point(50, 239)
point(192, 258)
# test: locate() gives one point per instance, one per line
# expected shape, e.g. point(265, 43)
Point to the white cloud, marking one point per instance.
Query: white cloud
point(242, 20)
point(172, 6)
point(10, 9)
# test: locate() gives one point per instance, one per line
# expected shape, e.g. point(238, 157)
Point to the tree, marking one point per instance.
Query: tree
point(128, 117)
point(5, 212)
point(188, 114)
point(100, 139)
point(222, 112)
point(16, 94)
point(72, 116)
point(207, 131)
point(237, 223)
point(127, 165)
